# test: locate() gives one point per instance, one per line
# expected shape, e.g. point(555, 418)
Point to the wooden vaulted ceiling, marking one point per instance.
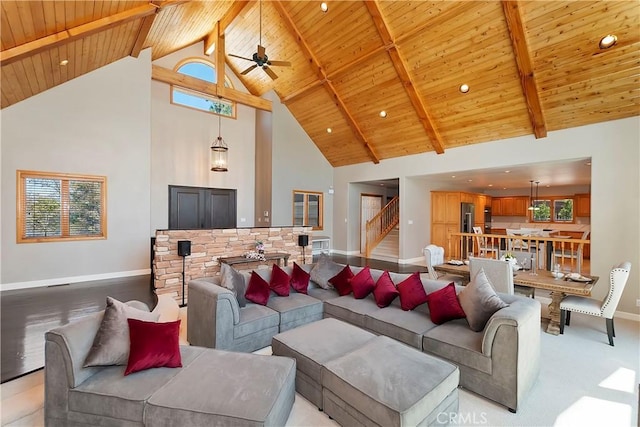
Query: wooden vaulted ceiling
point(532, 66)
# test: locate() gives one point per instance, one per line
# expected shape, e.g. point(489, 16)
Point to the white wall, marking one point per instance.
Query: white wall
point(180, 142)
point(96, 124)
point(298, 164)
point(615, 189)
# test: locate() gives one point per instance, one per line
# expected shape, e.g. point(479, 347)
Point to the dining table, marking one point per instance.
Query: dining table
point(542, 279)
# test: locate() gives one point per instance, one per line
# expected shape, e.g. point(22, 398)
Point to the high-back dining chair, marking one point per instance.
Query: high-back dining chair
point(605, 308)
point(499, 273)
point(576, 253)
point(484, 247)
point(515, 241)
point(434, 255)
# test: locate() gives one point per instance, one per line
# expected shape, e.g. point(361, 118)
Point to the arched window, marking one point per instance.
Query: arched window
point(203, 70)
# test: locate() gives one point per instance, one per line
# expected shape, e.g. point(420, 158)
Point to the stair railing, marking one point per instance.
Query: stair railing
point(381, 224)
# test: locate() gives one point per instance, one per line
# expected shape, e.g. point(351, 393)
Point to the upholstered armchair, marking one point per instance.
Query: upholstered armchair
point(434, 255)
point(605, 308)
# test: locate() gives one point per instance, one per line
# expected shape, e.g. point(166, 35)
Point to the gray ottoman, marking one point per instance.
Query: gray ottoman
point(225, 388)
point(386, 383)
point(313, 345)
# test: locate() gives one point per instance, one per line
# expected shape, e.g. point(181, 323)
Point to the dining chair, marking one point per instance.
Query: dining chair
point(526, 260)
point(484, 247)
point(514, 240)
point(499, 273)
point(571, 253)
point(605, 308)
point(434, 255)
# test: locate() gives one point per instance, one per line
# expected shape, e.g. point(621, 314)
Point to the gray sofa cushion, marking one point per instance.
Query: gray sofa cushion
point(235, 281)
point(295, 309)
point(111, 394)
point(351, 310)
point(405, 326)
point(111, 342)
point(479, 301)
point(319, 293)
point(323, 270)
point(226, 388)
point(255, 318)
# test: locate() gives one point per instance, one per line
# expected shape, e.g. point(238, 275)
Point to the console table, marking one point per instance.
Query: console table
point(268, 256)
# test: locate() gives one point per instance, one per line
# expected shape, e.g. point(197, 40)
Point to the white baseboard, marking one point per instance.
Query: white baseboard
point(416, 260)
point(74, 279)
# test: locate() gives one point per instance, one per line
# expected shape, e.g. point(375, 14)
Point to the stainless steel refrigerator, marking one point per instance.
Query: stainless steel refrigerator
point(467, 220)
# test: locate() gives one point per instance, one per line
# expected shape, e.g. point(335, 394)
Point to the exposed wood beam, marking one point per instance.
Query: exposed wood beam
point(166, 75)
point(232, 14)
point(220, 57)
point(322, 76)
point(17, 53)
point(211, 39)
point(401, 68)
point(147, 22)
point(525, 67)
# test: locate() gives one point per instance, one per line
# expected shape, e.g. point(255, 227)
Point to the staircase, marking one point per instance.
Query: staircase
point(387, 249)
point(381, 225)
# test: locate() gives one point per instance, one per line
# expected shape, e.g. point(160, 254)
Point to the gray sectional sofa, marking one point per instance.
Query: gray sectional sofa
point(501, 362)
point(204, 391)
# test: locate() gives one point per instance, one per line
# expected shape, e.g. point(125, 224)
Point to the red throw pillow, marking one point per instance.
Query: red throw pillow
point(412, 292)
point(279, 282)
point(342, 281)
point(258, 290)
point(299, 279)
point(362, 283)
point(385, 291)
point(444, 305)
point(153, 345)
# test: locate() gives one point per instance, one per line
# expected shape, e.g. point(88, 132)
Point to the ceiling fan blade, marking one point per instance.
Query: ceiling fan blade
point(249, 69)
point(280, 63)
point(241, 57)
point(270, 72)
point(261, 51)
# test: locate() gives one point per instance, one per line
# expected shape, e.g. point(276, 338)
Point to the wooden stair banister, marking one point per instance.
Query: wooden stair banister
point(381, 224)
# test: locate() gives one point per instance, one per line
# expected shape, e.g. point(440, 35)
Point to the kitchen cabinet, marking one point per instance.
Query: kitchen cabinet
point(445, 218)
point(582, 205)
point(510, 206)
point(479, 201)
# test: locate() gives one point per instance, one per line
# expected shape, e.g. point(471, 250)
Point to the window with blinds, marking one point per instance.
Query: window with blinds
point(54, 207)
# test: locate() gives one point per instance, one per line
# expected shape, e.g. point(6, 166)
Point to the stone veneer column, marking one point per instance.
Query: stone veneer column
point(209, 245)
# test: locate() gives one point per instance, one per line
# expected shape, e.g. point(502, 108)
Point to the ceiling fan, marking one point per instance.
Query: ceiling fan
point(260, 57)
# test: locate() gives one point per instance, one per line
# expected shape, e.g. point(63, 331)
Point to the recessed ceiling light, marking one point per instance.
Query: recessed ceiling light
point(453, 176)
point(381, 185)
point(588, 163)
point(64, 62)
point(324, 7)
point(469, 180)
point(507, 171)
point(490, 185)
point(608, 41)
point(548, 186)
point(329, 130)
point(383, 114)
point(504, 188)
point(464, 88)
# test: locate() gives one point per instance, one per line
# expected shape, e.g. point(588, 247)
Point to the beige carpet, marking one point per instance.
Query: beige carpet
point(583, 382)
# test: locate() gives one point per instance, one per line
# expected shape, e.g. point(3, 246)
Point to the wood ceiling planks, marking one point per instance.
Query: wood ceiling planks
point(359, 58)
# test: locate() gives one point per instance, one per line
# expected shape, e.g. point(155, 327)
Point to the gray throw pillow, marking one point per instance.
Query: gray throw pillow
point(479, 301)
point(111, 343)
point(324, 270)
point(234, 281)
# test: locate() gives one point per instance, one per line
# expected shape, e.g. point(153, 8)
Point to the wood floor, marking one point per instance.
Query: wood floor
point(27, 314)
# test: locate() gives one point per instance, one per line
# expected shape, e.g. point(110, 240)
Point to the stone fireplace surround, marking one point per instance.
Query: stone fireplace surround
point(209, 245)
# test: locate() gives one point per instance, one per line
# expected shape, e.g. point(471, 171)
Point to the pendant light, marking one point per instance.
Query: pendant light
point(537, 187)
point(219, 149)
point(531, 195)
